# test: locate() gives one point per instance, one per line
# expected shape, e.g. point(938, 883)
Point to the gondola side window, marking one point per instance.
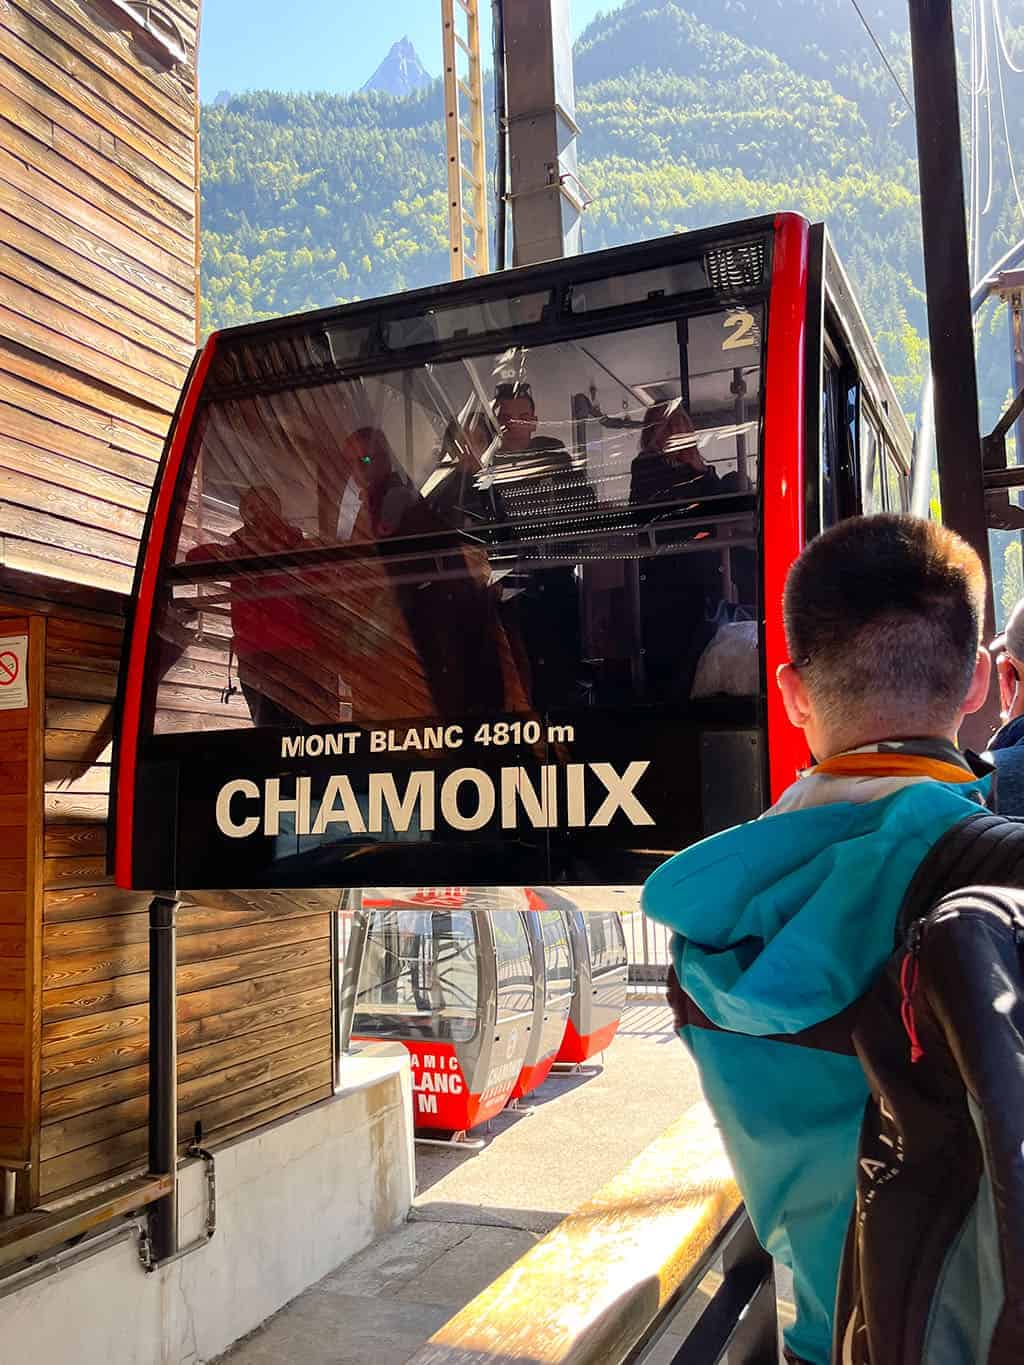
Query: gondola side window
point(494, 534)
point(885, 482)
point(896, 484)
point(841, 495)
point(872, 460)
point(419, 975)
point(557, 949)
point(515, 963)
point(604, 934)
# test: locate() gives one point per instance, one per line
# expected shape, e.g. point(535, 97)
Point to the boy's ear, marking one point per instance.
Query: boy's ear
point(978, 690)
point(794, 695)
point(1008, 682)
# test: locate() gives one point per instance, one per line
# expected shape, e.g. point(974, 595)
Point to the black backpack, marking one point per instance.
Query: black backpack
point(933, 1269)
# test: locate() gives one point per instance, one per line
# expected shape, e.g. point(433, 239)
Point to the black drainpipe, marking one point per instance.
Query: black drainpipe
point(163, 1072)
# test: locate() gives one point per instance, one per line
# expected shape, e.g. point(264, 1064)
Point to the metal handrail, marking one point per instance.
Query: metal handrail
point(740, 1321)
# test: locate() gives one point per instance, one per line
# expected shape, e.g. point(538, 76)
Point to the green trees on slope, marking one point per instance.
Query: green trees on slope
point(691, 115)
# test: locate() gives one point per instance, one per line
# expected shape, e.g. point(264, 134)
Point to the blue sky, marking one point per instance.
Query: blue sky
point(324, 44)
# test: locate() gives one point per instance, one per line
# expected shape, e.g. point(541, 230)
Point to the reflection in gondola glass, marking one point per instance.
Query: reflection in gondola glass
point(419, 974)
point(539, 527)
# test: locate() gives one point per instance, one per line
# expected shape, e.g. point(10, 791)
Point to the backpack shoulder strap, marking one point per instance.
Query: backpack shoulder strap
point(979, 850)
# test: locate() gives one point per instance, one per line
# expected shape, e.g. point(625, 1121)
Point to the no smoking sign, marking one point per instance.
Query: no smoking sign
point(13, 672)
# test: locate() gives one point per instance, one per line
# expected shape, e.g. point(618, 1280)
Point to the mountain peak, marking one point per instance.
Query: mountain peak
point(401, 72)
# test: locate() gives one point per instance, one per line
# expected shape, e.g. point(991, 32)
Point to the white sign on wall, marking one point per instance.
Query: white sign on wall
point(13, 672)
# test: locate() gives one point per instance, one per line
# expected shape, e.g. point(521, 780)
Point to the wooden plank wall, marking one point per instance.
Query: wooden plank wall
point(254, 971)
point(20, 845)
point(98, 279)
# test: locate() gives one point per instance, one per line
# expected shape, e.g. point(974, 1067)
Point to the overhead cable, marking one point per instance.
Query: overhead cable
point(1006, 128)
point(986, 76)
point(973, 216)
point(881, 52)
point(1019, 70)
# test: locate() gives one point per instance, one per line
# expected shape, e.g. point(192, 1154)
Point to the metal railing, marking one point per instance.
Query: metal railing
point(740, 1321)
point(647, 944)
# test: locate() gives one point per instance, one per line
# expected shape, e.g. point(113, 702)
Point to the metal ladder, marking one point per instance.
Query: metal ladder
point(464, 133)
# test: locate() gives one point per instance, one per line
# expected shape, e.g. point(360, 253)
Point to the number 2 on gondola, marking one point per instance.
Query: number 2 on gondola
point(740, 326)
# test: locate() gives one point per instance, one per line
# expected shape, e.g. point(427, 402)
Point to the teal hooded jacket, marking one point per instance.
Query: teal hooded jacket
point(780, 926)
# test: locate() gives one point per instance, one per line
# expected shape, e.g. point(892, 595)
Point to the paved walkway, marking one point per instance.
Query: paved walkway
point(478, 1211)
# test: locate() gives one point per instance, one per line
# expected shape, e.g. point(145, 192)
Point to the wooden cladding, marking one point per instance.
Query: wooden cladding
point(254, 972)
point(254, 1018)
point(98, 229)
point(254, 969)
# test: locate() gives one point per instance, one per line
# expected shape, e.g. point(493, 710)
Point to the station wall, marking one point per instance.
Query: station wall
point(98, 309)
point(98, 274)
point(255, 970)
point(293, 1202)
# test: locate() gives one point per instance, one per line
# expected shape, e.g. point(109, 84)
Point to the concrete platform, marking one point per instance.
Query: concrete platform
point(572, 1136)
point(383, 1305)
point(295, 1199)
point(478, 1211)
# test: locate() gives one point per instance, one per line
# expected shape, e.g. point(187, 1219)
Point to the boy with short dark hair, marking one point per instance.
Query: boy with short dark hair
point(781, 925)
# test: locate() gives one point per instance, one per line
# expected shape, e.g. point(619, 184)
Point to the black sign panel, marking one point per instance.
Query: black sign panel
point(596, 796)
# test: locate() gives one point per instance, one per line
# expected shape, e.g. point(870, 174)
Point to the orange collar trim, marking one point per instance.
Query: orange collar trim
point(893, 765)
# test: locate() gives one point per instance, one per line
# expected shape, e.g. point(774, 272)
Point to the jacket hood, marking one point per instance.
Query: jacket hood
point(772, 919)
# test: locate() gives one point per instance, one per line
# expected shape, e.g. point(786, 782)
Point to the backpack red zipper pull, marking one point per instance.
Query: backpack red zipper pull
point(908, 985)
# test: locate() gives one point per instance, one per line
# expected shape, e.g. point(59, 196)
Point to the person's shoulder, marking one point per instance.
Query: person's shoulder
point(550, 445)
point(706, 481)
point(649, 466)
point(1009, 736)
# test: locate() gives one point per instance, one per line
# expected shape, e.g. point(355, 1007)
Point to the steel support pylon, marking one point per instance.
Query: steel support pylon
point(464, 134)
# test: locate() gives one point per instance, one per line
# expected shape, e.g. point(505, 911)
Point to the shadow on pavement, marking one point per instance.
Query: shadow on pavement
point(534, 1221)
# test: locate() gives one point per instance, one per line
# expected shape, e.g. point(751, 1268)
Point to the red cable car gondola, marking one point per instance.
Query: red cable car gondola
point(602, 973)
point(481, 582)
point(554, 975)
point(448, 973)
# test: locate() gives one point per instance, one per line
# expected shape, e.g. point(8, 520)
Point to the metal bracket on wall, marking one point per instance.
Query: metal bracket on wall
point(149, 1260)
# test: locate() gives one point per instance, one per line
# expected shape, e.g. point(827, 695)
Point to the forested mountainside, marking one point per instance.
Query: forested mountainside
point(691, 113)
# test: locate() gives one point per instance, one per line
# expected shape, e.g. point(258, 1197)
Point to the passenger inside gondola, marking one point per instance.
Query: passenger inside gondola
point(669, 466)
point(535, 477)
point(535, 486)
point(453, 490)
point(521, 450)
point(442, 587)
point(271, 626)
point(681, 576)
